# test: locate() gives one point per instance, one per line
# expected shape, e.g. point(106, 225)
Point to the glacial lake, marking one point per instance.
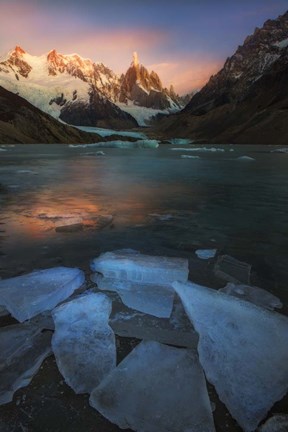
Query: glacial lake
point(161, 203)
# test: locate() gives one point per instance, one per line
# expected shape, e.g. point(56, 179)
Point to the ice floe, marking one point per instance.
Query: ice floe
point(189, 157)
point(243, 350)
point(180, 141)
point(206, 253)
point(141, 268)
point(142, 143)
point(156, 388)
point(22, 350)
point(28, 295)
point(83, 342)
point(152, 299)
point(246, 158)
point(254, 295)
point(199, 149)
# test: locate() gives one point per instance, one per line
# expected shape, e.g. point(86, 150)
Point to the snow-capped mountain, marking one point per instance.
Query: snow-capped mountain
point(246, 102)
point(247, 65)
point(76, 90)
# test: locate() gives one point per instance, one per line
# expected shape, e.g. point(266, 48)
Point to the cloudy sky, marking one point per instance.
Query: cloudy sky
point(185, 41)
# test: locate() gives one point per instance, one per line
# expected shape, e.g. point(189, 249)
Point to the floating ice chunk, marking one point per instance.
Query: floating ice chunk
point(161, 217)
point(156, 388)
point(142, 143)
point(199, 149)
point(243, 350)
point(254, 295)
point(245, 158)
point(280, 150)
point(83, 342)
point(232, 270)
point(28, 295)
point(141, 268)
point(180, 141)
point(152, 299)
point(189, 157)
point(277, 423)
point(22, 349)
point(206, 253)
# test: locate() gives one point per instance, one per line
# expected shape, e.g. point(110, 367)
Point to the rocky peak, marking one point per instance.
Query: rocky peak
point(18, 51)
point(16, 63)
point(250, 61)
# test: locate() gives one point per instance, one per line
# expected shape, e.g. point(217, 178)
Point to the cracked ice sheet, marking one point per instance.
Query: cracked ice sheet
point(22, 350)
point(243, 350)
point(156, 300)
point(141, 268)
point(83, 342)
point(28, 295)
point(156, 388)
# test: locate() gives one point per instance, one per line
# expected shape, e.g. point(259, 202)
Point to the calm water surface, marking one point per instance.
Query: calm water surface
point(238, 206)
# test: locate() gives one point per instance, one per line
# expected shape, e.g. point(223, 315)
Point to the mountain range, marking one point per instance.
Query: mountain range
point(246, 102)
point(81, 92)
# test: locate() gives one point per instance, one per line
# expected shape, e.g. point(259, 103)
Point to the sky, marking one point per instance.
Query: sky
point(184, 41)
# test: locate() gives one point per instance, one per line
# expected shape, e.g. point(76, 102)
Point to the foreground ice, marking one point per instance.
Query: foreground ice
point(83, 342)
point(22, 350)
point(156, 388)
point(243, 350)
point(206, 253)
point(28, 295)
point(189, 157)
point(152, 299)
point(277, 423)
point(142, 143)
point(254, 295)
point(141, 268)
point(108, 132)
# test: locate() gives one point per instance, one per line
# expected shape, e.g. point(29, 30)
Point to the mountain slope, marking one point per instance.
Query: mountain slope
point(247, 101)
point(82, 92)
point(21, 122)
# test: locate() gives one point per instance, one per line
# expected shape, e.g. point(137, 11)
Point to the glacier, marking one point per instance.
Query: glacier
point(243, 350)
point(28, 295)
point(156, 388)
point(83, 342)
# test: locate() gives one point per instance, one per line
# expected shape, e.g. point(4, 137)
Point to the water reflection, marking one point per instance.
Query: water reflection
point(237, 206)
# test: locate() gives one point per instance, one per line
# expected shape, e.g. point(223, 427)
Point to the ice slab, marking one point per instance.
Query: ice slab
point(189, 157)
point(177, 330)
point(277, 423)
point(22, 349)
point(141, 268)
point(152, 299)
point(28, 295)
point(243, 350)
point(156, 388)
point(206, 253)
point(83, 342)
point(254, 295)
point(199, 149)
point(246, 158)
point(232, 270)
